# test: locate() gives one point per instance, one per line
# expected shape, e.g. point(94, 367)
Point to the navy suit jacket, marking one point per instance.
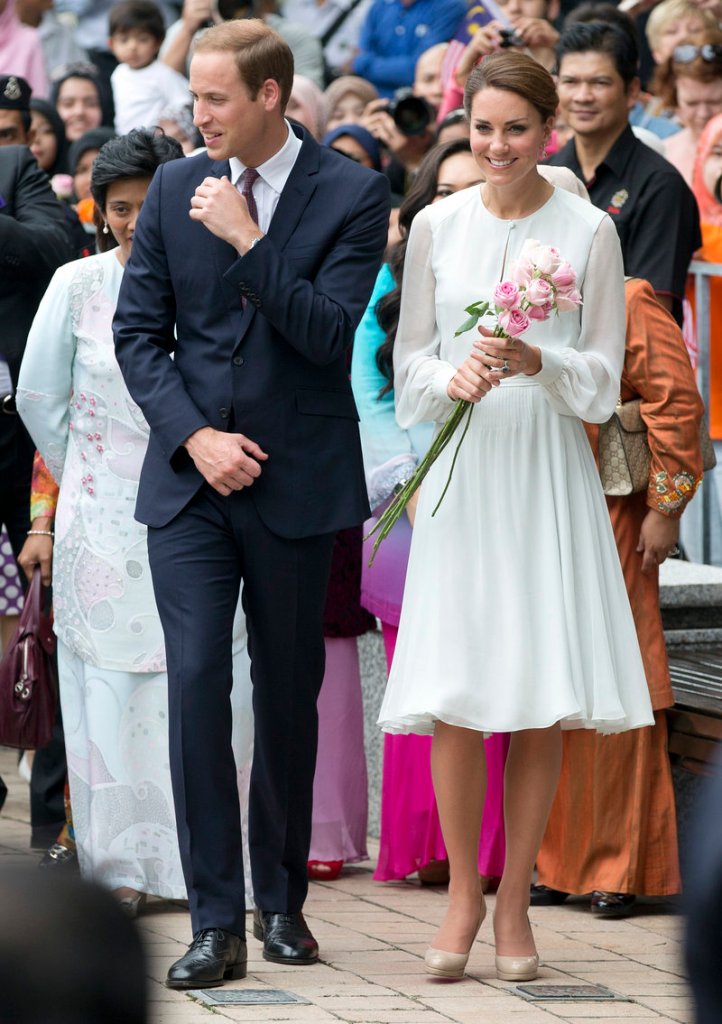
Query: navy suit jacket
point(275, 371)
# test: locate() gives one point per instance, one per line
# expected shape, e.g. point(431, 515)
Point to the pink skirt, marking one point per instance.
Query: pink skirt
point(410, 830)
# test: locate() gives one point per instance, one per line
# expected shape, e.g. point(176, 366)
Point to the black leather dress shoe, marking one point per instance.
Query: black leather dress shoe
point(213, 957)
point(285, 937)
point(612, 904)
point(543, 896)
point(3, 793)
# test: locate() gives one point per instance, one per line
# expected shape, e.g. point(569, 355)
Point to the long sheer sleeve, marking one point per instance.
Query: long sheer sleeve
point(420, 376)
point(584, 381)
point(45, 382)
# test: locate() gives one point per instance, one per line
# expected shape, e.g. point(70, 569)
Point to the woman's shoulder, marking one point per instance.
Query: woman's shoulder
point(461, 203)
point(578, 208)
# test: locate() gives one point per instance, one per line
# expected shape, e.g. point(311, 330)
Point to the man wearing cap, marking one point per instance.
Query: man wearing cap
point(14, 111)
point(34, 242)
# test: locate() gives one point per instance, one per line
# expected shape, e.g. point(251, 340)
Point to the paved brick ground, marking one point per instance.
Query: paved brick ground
point(372, 940)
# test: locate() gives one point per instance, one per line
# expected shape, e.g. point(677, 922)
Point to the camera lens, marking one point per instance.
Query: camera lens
point(412, 114)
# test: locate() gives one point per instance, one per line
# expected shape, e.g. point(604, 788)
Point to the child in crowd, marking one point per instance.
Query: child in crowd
point(142, 86)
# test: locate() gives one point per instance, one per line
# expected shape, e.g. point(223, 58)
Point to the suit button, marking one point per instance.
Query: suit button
point(238, 360)
point(224, 414)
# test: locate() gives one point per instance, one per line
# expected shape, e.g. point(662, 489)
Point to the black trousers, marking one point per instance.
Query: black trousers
point(198, 562)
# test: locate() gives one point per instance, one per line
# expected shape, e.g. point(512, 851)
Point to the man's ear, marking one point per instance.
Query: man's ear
point(633, 91)
point(271, 93)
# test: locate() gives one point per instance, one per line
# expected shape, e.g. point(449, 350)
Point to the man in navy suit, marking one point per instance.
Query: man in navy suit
point(252, 265)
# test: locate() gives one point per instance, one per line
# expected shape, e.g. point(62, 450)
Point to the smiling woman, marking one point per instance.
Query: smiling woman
point(504, 576)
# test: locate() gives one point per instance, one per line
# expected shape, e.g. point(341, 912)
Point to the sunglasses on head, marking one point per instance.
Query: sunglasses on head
point(711, 53)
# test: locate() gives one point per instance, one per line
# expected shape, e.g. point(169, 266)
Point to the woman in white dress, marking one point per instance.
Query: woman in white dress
point(515, 615)
point(111, 658)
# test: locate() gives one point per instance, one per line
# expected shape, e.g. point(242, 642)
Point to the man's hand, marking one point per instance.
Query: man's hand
point(222, 209)
point(38, 550)
point(228, 462)
point(658, 536)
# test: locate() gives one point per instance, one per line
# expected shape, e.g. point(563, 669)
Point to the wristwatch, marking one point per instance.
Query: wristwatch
point(254, 242)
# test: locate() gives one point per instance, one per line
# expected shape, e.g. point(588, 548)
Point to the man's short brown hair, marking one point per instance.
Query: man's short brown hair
point(259, 52)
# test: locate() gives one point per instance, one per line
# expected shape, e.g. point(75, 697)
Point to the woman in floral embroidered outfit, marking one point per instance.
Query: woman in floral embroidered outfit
point(111, 657)
point(615, 787)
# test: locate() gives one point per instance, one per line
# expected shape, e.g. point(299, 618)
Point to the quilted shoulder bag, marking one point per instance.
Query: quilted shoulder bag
point(28, 690)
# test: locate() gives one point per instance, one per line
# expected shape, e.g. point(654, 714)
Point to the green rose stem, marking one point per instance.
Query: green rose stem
point(391, 515)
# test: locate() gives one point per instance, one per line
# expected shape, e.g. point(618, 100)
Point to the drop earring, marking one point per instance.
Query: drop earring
point(106, 229)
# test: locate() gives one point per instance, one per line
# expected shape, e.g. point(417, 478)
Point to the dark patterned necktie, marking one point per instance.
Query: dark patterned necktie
point(247, 178)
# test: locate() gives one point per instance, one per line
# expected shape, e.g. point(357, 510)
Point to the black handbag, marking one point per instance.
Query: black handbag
point(28, 686)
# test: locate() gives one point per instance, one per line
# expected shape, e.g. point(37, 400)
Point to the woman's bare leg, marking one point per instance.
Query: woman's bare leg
point(458, 768)
point(530, 782)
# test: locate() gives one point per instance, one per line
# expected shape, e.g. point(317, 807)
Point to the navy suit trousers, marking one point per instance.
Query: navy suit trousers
point(198, 561)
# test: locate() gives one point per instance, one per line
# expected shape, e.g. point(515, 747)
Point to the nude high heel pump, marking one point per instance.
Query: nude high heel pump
point(443, 964)
point(517, 968)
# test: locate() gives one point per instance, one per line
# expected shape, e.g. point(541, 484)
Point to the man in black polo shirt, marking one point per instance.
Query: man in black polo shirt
point(654, 211)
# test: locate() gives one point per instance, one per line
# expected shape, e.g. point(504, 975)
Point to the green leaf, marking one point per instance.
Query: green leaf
point(468, 324)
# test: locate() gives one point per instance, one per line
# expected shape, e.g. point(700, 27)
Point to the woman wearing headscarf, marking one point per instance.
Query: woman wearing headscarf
point(83, 99)
point(49, 145)
point(307, 105)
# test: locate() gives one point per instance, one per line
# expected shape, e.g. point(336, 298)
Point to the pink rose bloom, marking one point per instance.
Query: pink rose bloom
point(539, 292)
point(569, 302)
point(564, 277)
point(506, 295)
point(62, 185)
point(514, 322)
point(544, 258)
point(540, 312)
point(520, 272)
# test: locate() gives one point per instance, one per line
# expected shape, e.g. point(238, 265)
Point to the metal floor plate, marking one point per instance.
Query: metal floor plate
point(569, 993)
point(244, 996)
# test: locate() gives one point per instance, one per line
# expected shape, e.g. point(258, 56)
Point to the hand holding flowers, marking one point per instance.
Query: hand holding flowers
point(540, 283)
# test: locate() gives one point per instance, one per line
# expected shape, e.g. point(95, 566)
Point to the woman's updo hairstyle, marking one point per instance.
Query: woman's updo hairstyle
point(518, 73)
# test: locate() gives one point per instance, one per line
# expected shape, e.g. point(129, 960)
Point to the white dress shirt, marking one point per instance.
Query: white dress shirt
point(272, 176)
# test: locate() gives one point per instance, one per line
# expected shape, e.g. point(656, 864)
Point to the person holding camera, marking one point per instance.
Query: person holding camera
point(530, 28)
point(404, 125)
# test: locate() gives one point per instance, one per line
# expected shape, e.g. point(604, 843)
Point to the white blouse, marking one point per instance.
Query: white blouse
point(582, 351)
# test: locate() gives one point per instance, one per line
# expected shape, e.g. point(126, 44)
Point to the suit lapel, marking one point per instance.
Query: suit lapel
point(223, 253)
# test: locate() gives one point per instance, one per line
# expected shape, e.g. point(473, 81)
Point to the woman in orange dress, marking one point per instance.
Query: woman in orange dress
point(612, 830)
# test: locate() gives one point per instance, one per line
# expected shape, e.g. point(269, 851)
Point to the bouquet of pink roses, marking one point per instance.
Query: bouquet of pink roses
point(540, 283)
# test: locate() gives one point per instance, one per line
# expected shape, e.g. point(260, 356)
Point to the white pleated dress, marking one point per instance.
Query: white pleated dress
point(515, 613)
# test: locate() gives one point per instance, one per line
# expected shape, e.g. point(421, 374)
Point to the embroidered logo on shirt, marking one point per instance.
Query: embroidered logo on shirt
point(12, 90)
point(618, 200)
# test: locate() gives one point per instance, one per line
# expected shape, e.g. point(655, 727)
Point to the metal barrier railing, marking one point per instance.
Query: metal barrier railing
point(702, 272)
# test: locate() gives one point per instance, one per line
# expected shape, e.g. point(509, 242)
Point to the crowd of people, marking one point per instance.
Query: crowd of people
point(237, 240)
